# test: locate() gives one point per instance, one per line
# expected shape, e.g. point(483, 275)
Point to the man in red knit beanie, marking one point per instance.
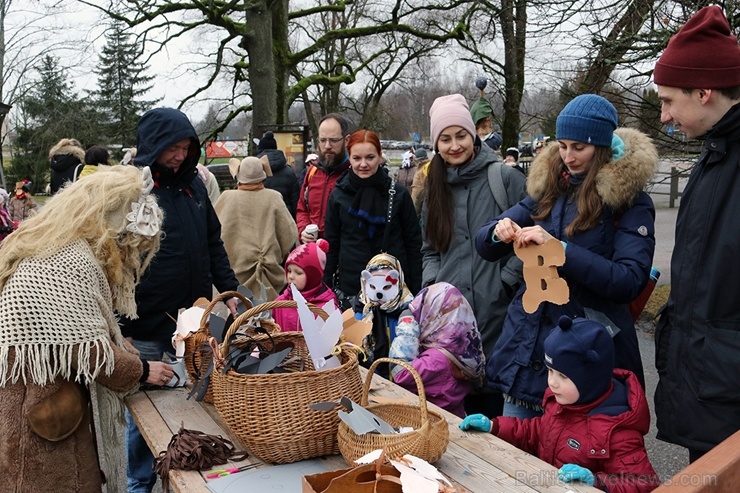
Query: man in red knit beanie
point(697, 339)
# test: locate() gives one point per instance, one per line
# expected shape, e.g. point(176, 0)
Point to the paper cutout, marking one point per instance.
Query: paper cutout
point(180, 376)
point(417, 475)
point(380, 286)
point(188, 321)
point(363, 421)
point(321, 336)
point(541, 274)
point(355, 330)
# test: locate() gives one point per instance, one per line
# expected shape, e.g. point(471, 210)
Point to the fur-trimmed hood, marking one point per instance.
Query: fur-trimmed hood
point(618, 181)
point(67, 146)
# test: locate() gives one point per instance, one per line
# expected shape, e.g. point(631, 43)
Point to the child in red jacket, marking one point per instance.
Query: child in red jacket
point(304, 268)
point(595, 416)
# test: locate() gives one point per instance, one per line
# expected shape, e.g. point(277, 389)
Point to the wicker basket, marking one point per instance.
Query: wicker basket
point(270, 413)
point(428, 440)
point(196, 345)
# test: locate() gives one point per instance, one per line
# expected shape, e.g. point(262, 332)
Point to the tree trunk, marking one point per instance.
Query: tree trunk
point(262, 75)
point(281, 52)
point(513, 19)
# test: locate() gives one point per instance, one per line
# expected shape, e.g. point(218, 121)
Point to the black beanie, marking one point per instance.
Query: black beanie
point(583, 351)
point(267, 142)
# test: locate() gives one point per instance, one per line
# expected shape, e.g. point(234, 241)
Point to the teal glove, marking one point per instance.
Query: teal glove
point(476, 422)
point(574, 472)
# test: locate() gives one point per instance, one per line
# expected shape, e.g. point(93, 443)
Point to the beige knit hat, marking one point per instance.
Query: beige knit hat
point(250, 169)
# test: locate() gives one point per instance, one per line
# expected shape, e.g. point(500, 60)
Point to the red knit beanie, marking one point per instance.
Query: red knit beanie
point(311, 257)
point(702, 55)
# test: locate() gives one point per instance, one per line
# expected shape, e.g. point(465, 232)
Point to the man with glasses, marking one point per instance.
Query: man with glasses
point(320, 178)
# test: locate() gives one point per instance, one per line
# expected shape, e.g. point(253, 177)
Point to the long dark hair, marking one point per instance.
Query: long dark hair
point(589, 204)
point(440, 220)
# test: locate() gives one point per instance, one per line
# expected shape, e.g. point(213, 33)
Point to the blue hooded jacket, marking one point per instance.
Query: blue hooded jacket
point(191, 257)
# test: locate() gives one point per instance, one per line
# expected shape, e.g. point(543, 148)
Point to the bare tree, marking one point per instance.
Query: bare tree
point(273, 56)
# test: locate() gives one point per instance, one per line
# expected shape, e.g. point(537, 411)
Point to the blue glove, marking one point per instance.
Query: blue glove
point(476, 422)
point(574, 472)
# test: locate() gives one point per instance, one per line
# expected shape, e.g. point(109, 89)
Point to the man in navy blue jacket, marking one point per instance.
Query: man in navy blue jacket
point(190, 261)
point(697, 340)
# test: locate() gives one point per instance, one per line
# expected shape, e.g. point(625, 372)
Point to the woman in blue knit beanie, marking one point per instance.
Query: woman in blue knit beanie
point(585, 190)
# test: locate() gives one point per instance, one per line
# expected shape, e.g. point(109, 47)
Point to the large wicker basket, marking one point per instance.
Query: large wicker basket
point(197, 348)
point(270, 413)
point(428, 440)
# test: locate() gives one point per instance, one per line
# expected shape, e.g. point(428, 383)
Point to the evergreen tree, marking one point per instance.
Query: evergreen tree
point(52, 111)
point(122, 81)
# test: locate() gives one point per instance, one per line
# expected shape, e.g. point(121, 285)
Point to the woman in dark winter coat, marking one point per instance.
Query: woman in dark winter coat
point(283, 177)
point(586, 191)
point(64, 158)
point(357, 225)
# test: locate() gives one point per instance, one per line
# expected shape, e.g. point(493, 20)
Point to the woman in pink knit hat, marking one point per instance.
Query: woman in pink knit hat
point(305, 269)
point(462, 178)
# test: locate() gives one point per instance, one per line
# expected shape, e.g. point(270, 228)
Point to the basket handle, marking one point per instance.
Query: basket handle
point(414, 373)
point(256, 310)
point(221, 297)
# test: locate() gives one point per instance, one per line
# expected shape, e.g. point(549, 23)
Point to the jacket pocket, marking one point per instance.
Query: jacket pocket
point(720, 359)
point(662, 339)
point(59, 415)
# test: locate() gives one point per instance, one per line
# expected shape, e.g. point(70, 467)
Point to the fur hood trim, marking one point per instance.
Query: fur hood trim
point(67, 146)
point(618, 182)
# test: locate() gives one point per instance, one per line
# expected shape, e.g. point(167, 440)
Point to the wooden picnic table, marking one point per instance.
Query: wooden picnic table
point(475, 462)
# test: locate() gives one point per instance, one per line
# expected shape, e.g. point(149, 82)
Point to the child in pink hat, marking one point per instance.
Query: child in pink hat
point(305, 269)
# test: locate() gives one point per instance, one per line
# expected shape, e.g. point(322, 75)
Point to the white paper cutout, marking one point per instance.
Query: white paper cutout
point(188, 321)
point(321, 336)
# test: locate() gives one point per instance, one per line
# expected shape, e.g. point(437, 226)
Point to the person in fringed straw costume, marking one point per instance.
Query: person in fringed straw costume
point(64, 365)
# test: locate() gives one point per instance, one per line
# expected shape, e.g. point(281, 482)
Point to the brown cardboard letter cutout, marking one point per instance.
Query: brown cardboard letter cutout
point(541, 274)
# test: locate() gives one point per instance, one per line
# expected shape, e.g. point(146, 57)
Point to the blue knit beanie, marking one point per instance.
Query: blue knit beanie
point(583, 351)
point(589, 119)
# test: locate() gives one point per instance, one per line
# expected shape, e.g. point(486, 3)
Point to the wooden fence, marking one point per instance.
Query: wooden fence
point(670, 183)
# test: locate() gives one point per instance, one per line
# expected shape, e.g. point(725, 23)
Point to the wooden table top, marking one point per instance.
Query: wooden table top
point(475, 462)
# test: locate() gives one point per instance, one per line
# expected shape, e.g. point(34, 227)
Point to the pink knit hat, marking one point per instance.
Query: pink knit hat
point(311, 257)
point(447, 111)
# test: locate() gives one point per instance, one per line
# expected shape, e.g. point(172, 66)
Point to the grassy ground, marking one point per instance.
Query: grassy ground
point(654, 304)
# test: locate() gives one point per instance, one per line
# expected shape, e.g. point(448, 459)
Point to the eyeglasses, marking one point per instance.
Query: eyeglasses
point(330, 140)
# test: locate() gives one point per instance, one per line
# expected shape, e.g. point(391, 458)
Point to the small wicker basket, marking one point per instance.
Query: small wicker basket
point(427, 441)
point(196, 344)
point(269, 412)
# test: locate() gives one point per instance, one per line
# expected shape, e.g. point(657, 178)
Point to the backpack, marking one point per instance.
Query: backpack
point(311, 172)
point(498, 182)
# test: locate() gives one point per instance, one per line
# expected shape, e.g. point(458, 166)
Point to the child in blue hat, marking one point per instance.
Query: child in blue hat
point(595, 416)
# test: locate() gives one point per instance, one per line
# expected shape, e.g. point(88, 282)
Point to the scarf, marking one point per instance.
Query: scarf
point(251, 186)
point(308, 294)
point(572, 180)
point(370, 205)
point(447, 323)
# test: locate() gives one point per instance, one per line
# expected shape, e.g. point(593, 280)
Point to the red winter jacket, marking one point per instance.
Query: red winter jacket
point(605, 436)
point(312, 202)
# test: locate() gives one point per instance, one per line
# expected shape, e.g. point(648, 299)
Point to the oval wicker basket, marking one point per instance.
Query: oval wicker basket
point(196, 344)
point(270, 413)
point(427, 441)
